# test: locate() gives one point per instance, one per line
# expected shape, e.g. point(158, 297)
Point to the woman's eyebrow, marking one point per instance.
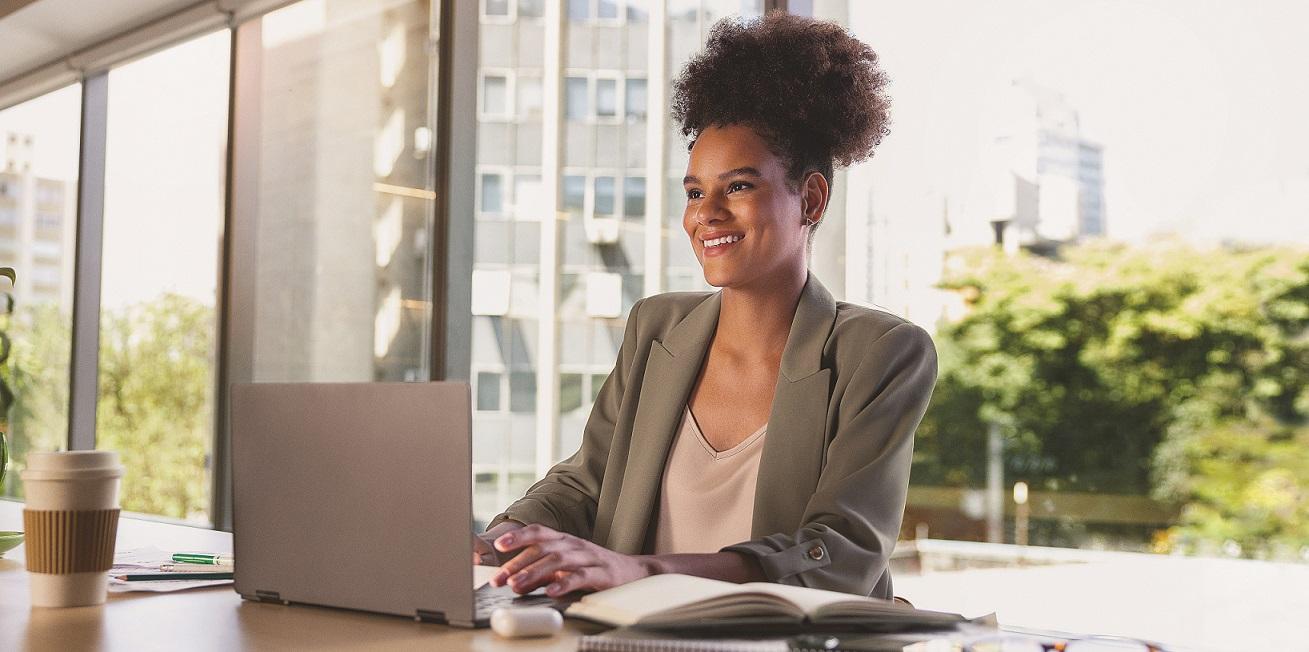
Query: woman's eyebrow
point(746, 171)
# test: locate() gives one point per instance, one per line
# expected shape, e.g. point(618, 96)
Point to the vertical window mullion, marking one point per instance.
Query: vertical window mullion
point(85, 358)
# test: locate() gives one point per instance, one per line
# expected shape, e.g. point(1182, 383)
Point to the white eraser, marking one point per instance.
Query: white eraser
point(526, 621)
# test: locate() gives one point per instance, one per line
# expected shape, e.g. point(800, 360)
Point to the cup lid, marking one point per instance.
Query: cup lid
point(81, 464)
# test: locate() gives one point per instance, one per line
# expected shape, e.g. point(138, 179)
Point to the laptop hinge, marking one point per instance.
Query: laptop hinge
point(269, 596)
point(425, 616)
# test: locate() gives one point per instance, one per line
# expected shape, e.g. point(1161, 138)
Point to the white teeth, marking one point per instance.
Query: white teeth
point(727, 239)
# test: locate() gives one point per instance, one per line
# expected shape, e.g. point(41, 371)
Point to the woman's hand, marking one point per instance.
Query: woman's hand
point(564, 563)
point(484, 553)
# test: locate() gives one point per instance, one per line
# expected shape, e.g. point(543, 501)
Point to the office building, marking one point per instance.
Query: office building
point(36, 225)
point(1047, 180)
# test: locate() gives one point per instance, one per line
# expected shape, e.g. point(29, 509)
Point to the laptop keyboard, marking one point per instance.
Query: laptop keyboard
point(489, 598)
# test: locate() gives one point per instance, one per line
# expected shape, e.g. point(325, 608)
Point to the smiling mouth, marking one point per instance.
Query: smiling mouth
point(718, 242)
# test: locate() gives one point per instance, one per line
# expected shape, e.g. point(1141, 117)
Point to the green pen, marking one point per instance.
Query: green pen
point(202, 558)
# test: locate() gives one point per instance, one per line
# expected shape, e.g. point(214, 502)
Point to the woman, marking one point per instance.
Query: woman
point(763, 432)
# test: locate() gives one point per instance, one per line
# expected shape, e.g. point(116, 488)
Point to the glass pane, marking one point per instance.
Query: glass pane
point(635, 102)
point(492, 193)
point(575, 100)
point(345, 196)
point(496, 7)
point(570, 392)
point(637, 11)
point(488, 391)
point(634, 197)
point(574, 193)
point(158, 326)
point(606, 9)
point(495, 95)
point(531, 8)
point(579, 10)
point(606, 97)
point(522, 391)
point(604, 196)
point(38, 208)
point(597, 382)
point(529, 98)
point(527, 197)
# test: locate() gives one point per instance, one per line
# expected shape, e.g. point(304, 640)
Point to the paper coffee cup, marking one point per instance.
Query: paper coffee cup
point(71, 521)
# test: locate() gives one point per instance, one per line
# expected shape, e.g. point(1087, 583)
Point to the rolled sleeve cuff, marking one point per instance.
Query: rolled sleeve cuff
point(779, 565)
point(527, 511)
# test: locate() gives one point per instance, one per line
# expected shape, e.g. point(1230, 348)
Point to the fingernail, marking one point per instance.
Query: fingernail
point(553, 589)
point(504, 542)
point(499, 579)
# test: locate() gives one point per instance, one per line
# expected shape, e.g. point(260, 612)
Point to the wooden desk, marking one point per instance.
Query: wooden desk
point(215, 618)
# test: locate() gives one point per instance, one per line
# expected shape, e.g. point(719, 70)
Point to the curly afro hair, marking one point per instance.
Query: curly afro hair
point(812, 91)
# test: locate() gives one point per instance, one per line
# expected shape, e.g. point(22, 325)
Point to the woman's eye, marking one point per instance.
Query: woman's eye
point(737, 185)
point(693, 194)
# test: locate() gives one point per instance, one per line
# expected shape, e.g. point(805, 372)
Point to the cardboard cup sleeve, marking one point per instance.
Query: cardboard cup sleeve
point(70, 541)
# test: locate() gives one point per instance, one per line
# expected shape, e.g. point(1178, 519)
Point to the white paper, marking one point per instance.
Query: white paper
point(148, 560)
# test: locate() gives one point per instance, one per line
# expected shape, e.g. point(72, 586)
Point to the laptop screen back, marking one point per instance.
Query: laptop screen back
point(354, 495)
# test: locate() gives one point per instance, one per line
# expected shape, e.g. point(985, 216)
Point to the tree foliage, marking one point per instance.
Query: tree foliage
point(1163, 370)
point(156, 402)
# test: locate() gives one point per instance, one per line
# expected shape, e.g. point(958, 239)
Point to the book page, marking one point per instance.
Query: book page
point(810, 600)
point(629, 603)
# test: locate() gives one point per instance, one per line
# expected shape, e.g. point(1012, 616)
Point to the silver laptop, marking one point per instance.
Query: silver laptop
point(358, 495)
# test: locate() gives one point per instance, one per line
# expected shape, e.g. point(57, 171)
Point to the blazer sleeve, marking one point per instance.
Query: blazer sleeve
point(852, 520)
point(566, 498)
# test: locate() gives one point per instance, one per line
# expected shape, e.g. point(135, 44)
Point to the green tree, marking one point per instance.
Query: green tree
point(156, 402)
point(1111, 369)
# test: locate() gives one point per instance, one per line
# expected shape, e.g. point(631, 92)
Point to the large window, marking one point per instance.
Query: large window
point(38, 208)
point(600, 196)
point(345, 196)
point(163, 214)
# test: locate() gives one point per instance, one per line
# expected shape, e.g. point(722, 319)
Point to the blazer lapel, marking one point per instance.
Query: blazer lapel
point(797, 439)
point(670, 374)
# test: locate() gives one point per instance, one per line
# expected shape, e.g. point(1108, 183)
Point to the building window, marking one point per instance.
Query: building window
point(636, 11)
point(527, 197)
point(529, 98)
point(606, 98)
point(576, 106)
point(634, 196)
point(579, 10)
point(492, 195)
point(635, 99)
point(495, 8)
point(606, 9)
point(522, 392)
point(488, 391)
point(604, 196)
point(574, 193)
point(531, 8)
point(495, 95)
point(570, 392)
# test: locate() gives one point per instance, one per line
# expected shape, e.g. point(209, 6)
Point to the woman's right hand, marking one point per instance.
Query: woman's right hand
point(484, 553)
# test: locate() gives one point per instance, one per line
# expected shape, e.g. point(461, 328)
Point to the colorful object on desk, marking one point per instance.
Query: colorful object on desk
point(141, 577)
point(185, 567)
point(9, 541)
point(203, 558)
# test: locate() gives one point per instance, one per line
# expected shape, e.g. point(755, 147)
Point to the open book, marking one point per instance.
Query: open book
point(685, 602)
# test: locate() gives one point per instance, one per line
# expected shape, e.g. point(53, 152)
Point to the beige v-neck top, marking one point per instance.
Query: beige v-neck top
point(706, 498)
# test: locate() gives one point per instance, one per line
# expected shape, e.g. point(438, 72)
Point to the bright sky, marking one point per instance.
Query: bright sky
point(1200, 106)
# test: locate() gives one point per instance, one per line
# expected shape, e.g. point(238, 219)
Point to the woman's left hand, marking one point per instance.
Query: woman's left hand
point(563, 563)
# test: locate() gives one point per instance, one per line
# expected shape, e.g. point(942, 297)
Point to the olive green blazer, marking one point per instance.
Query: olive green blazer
point(853, 386)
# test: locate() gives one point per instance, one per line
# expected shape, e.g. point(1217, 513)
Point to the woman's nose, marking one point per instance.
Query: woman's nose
point(711, 210)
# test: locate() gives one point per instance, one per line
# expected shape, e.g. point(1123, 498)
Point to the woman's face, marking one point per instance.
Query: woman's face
point(745, 223)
